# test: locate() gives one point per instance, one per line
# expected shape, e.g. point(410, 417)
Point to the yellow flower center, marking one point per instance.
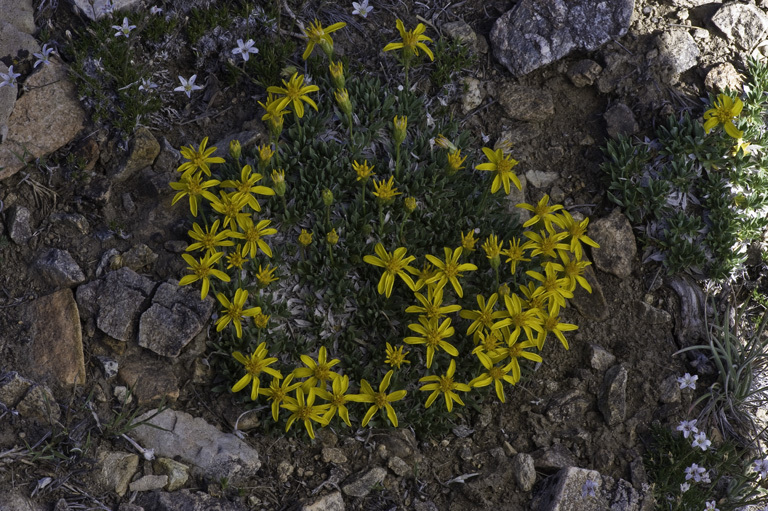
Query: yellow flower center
point(451, 270)
point(194, 187)
point(485, 318)
point(723, 114)
point(321, 372)
point(208, 240)
point(550, 324)
point(304, 412)
point(547, 244)
point(202, 272)
point(496, 373)
point(515, 351)
point(433, 339)
point(235, 312)
point(504, 165)
point(380, 399)
point(446, 384)
point(252, 235)
point(254, 366)
point(576, 230)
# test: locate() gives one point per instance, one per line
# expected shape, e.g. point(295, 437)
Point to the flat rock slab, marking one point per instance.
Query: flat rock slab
point(150, 380)
point(96, 9)
point(193, 441)
point(743, 24)
point(564, 491)
point(44, 119)
point(52, 340)
point(186, 500)
point(537, 32)
point(19, 13)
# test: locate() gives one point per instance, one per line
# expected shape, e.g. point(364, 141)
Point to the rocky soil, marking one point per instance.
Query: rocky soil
point(89, 262)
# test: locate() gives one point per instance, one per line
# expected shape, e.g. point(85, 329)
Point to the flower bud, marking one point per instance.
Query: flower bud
point(400, 127)
point(332, 237)
point(337, 74)
point(342, 99)
point(410, 204)
point(278, 182)
point(305, 238)
point(327, 197)
point(235, 150)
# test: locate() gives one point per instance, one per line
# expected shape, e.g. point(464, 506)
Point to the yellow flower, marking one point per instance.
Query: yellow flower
point(522, 320)
point(265, 154)
point(305, 238)
point(266, 276)
point(450, 269)
point(542, 212)
point(261, 320)
point(362, 170)
point(306, 410)
point(442, 141)
point(209, 239)
point(545, 243)
point(492, 250)
point(469, 241)
point(231, 206)
point(395, 265)
point(396, 356)
point(203, 270)
point(332, 237)
point(432, 306)
point(246, 187)
point(483, 318)
point(551, 324)
point(515, 350)
point(316, 34)
point(400, 129)
point(233, 311)
point(275, 112)
point(337, 74)
point(455, 162)
point(198, 159)
point(573, 271)
point(502, 165)
point(444, 385)
point(725, 110)
point(379, 400)
point(295, 92)
point(317, 373)
point(337, 399)
point(556, 289)
point(740, 145)
point(433, 335)
point(515, 254)
point(278, 392)
point(235, 258)
point(194, 187)
point(253, 234)
point(412, 41)
point(494, 374)
point(577, 232)
point(422, 276)
point(255, 365)
point(385, 191)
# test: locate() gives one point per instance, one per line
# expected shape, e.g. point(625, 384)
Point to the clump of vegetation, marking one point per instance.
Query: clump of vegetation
point(356, 258)
point(699, 192)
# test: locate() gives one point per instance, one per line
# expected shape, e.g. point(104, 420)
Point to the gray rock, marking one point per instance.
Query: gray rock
point(12, 388)
point(541, 178)
point(534, 33)
point(168, 159)
point(96, 9)
point(19, 224)
point(186, 500)
point(7, 101)
point(138, 257)
point(600, 358)
point(584, 72)
point(109, 366)
point(177, 473)
point(723, 76)
point(14, 43)
point(333, 455)
point(330, 502)
point(474, 94)
point(149, 483)
point(19, 13)
point(563, 492)
point(176, 316)
point(620, 120)
point(678, 52)
point(553, 458)
point(361, 486)
point(669, 390)
point(462, 32)
point(38, 403)
point(59, 268)
point(12, 500)
point(149, 380)
point(144, 148)
point(743, 24)
point(612, 397)
point(523, 471)
point(99, 191)
point(569, 406)
point(399, 466)
point(176, 246)
point(195, 442)
point(74, 221)
point(45, 118)
point(539, 105)
point(651, 315)
point(618, 247)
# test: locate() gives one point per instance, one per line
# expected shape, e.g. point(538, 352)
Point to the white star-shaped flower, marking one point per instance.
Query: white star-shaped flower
point(688, 381)
point(147, 84)
point(155, 10)
point(684, 487)
point(711, 506)
point(9, 78)
point(688, 427)
point(761, 467)
point(362, 9)
point(44, 56)
point(124, 29)
point(700, 440)
point(187, 86)
point(245, 48)
point(588, 488)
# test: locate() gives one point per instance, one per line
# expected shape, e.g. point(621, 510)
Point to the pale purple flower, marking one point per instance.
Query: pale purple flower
point(694, 472)
point(688, 427)
point(761, 466)
point(108, 8)
point(155, 10)
point(187, 86)
point(711, 506)
point(44, 56)
point(245, 48)
point(688, 381)
point(684, 487)
point(588, 489)
point(147, 85)
point(362, 9)
point(9, 78)
point(700, 440)
point(124, 29)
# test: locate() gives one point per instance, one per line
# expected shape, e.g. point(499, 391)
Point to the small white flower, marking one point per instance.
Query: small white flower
point(9, 79)
point(688, 427)
point(147, 84)
point(486, 138)
point(245, 49)
point(688, 381)
point(761, 466)
point(705, 478)
point(694, 472)
point(684, 487)
point(588, 489)
point(711, 506)
point(124, 29)
point(187, 86)
point(700, 440)
point(108, 8)
point(155, 10)
point(362, 9)
point(44, 56)
point(400, 88)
